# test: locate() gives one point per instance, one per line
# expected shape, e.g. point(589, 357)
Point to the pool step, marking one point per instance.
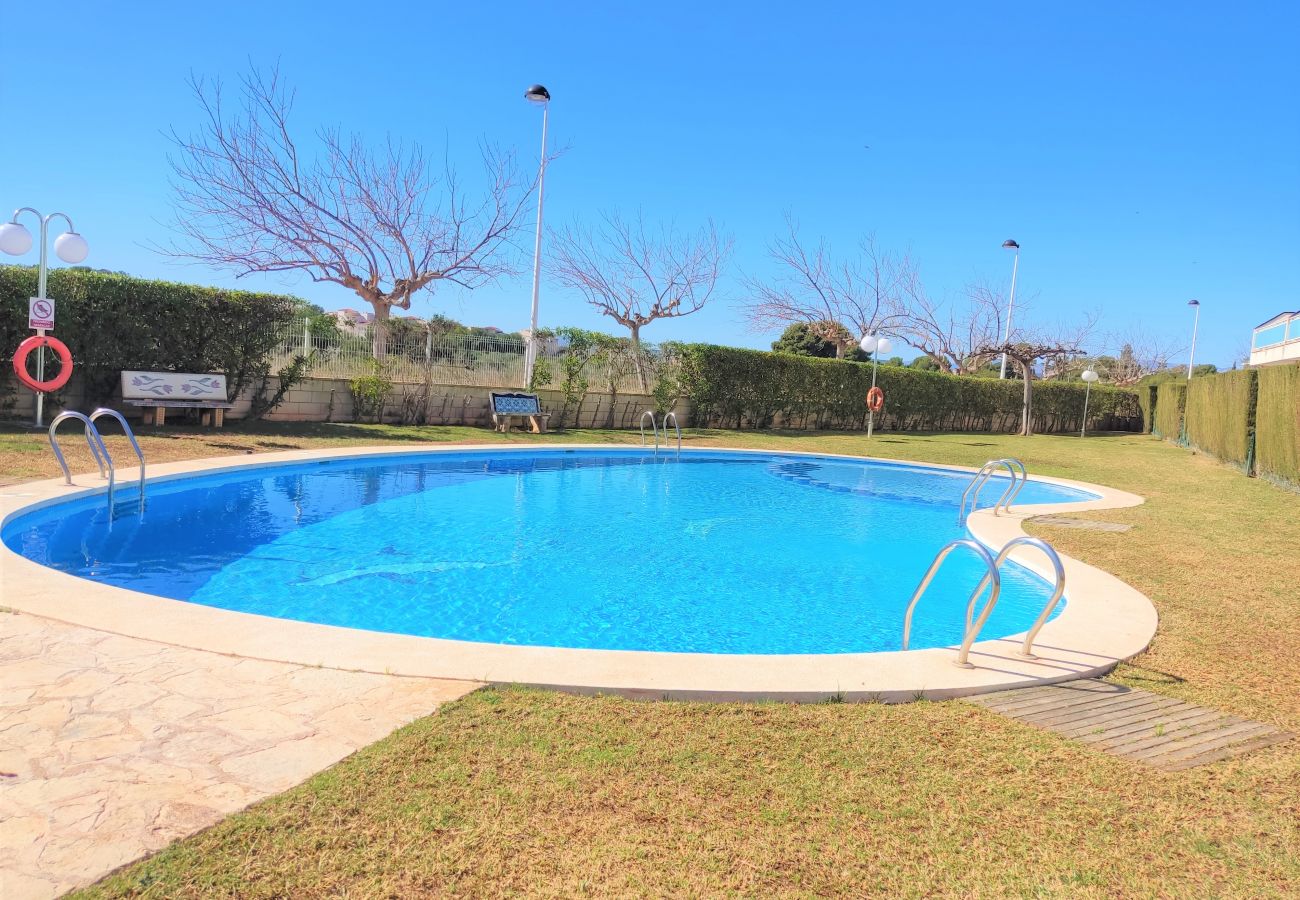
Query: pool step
point(1148, 728)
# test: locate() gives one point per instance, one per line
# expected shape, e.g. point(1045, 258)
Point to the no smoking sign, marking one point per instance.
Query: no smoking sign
point(40, 313)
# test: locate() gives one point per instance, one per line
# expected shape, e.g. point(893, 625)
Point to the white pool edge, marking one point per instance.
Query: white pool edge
point(1105, 621)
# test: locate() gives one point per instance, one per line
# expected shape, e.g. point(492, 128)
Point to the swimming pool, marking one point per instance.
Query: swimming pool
point(714, 552)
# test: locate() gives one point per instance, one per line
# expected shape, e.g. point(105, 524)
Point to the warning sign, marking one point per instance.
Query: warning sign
point(40, 313)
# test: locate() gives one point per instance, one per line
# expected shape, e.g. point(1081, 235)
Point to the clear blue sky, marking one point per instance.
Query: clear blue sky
point(1142, 154)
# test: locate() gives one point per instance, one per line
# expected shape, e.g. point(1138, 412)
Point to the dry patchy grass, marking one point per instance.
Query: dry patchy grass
point(520, 792)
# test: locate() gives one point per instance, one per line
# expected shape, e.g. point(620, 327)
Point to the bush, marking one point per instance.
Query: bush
point(737, 388)
point(1277, 424)
point(114, 322)
point(370, 394)
point(1171, 400)
point(1219, 416)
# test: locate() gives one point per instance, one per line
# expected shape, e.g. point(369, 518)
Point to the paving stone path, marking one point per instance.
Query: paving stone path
point(1149, 728)
point(112, 747)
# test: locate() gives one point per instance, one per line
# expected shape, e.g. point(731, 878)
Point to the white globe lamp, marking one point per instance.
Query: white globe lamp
point(868, 343)
point(15, 239)
point(71, 247)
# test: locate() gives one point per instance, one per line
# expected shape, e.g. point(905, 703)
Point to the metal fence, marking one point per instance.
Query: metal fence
point(452, 359)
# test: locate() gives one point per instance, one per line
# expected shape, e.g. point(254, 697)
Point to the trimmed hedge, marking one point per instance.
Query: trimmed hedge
point(1146, 394)
point(115, 322)
point(1171, 401)
point(1220, 416)
point(1277, 424)
point(737, 388)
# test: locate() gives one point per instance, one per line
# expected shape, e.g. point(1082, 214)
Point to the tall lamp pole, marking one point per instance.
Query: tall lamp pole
point(1011, 302)
point(539, 95)
point(1088, 376)
point(1196, 320)
point(70, 247)
point(875, 345)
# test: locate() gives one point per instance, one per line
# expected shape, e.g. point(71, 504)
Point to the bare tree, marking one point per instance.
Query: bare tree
point(250, 198)
point(1039, 346)
point(955, 335)
point(1141, 353)
point(829, 295)
point(636, 276)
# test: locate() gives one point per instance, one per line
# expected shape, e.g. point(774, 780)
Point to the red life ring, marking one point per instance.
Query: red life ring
point(875, 399)
point(60, 350)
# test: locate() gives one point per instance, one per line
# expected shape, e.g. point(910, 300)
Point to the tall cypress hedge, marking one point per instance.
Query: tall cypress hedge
point(114, 322)
point(1171, 401)
point(735, 388)
point(1277, 424)
point(1220, 416)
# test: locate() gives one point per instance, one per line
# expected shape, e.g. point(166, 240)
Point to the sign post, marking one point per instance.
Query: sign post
point(40, 318)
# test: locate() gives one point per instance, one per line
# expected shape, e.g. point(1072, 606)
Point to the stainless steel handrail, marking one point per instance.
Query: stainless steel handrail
point(673, 416)
point(130, 435)
point(1024, 477)
point(982, 552)
point(97, 449)
point(1013, 488)
point(652, 426)
point(1059, 588)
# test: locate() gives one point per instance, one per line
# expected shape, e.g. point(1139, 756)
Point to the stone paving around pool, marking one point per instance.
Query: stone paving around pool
point(112, 747)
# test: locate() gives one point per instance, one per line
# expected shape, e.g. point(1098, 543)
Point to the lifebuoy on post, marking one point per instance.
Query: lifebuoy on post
point(60, 350)
point(875, 399)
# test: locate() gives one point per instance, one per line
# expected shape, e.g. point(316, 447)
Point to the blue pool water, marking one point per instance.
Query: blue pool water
point(714, 552)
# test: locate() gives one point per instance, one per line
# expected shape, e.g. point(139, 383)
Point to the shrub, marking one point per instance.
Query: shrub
point(1219, 417)
point(738, 388)
point(369, 394)
point(1277, 424)
point(113, 322)
point(1171, 400)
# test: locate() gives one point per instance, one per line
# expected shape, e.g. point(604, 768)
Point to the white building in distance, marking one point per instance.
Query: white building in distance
point(1277, 340)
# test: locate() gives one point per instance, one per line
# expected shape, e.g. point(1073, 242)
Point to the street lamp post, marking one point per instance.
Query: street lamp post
point(1196, 320)
point(70, 247)
point(1088, 376)
point(875, 345)
point(1011, 301)
point(540, 95)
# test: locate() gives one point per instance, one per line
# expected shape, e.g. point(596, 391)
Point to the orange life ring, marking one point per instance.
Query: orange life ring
point(60, 350)
point(875, 399)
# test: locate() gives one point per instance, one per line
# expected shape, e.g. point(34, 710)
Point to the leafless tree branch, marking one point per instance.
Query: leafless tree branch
point(863, 295)
point(381, 224)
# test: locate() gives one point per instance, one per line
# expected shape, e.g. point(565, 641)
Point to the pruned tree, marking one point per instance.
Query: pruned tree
point(637, 276)
point(839, 300)
point(250, 198)
point(955, 335)
point(1034, 347)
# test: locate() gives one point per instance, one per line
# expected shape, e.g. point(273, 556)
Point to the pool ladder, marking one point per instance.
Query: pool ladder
point(655, 428)
point(975, 624)
point(1018, 478)
point(98, 449)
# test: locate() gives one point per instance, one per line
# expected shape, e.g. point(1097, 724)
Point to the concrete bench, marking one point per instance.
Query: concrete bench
point(157, 392)
point(508, 406)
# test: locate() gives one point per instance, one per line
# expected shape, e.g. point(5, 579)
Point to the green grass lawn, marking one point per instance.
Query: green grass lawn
point(517, 791)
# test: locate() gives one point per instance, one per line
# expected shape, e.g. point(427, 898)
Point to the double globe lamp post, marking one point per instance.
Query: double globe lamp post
point(875, 345)
point(70, 247)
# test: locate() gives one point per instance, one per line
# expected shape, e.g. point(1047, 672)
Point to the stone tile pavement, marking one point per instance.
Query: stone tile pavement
point(112, 747)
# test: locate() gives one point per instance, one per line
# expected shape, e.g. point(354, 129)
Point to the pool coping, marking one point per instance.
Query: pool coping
point(1105, 621)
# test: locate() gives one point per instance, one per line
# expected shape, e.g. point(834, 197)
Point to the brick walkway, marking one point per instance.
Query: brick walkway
point(112, 747)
